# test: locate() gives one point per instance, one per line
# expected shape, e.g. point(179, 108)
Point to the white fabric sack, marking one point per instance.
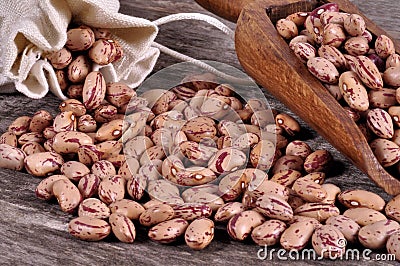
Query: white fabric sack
point(31, 27)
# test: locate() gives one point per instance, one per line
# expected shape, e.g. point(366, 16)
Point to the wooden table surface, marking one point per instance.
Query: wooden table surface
point(33, 232)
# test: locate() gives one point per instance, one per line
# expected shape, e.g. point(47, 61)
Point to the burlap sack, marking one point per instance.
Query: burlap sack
point(31, 27)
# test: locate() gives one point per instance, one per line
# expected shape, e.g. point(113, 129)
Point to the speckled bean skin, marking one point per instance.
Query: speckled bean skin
point(364, 216)
point(119, 94)
point(368, 72)
point(391, 76)
point(88, 185)
point(298, 148)
point(228, 210)
point(196, 130)
point(268, 233)
point(44, 189)
point(168, 231)
point(40, 120)
point(156, 214)
point(297, 235)
point(20, 125)
point(274, 207)
point(74, 170)
point(387, 152)
point(318, 161)
point(323, 69)
point(299, 218)
point(79, 69)
point(212, 200)
point(353, 91)
point(375, 235)
point(356, 46)
point(80, 39)
point(333, 35)
point(65, 121)
point(262, 155)
point(319, 211)
point(88, 154)
point(32, 147)
point(328, 242)
point(86, 124)
point(380, 122)
point(93, 207)
point(103, 169)
point(136, 186)
point(9, 138)
point(88, 228)
point(346, 226)
point(103, 51)
point(67, 194)
point(122, 227)
point(40, 164)
point(94, 90)
point(383, 98)
point(354, 25)
point(111, 189)
point(241, 225)
point(227, 160)
point(392, 208)
point(303, 51)
point(384, 46)
point(128, 208)
point(73, 105)
point(199, 233)
point(331, 192)
point(288, 162)
point(333, 17)
point(393, 245)
point(286, 177)
point(110, 131)
point(60, 59)
point(152, 153)
point(31, 137)
point(70, 141)
point(361, 198)
point(286, 28)
point(11, 157)
point(309, 190)
point(192, 211)
point(267, 187)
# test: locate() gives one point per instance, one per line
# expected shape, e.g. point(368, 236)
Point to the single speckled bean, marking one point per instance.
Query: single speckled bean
point(119, 94)
point(386, 152)
point(9, 138)
point(356, 46)
point(393, 244)
point(319, 211)
point(199, 233)
point(40, 164)
point(88, 185)
point(288, 123)
point(241, 225)
point(32, 147)
point(331, 192)
point(67, 194)
point(303, 51)
point(73, 105)
point(333, 55)
point(191, 211)
point(268, 233)
point(286, 177)
point(391, 76)
point(286, 28)
point(79, 69)
point(88, 154)
point(309, 190)
point(70, 141)
point(40, 120)
point(88, 228)
point(298, 148)
point(65, 121)
point(318, 161)
point(60, 59)
point(347, 226)
point(361, 198)
point(287, 162)
point(93, 207)
point(31, 137)
point(263, 154)
point(103, 169)
point(323, 69)
point(274, 207)
point(156, 214)
point(44, 189)
point(384, 46)
point(168, 231)
point(122, 227)
point(333, 35)
point(128, 208)
point(354, 24)
point(375, 235)
point(328, 242)
point(11, 157)
point(227, 160)
point(364, 216)
point(228, 210)
point(297, 235)
point(86, 124)
point(267, 187)
point(196, 130)
point(392, 208)
point(380, 122)
point(110, 131)
point(383, 98)
point(94, 90)
point(111, 189)
point(136, 186)
point(368, 72)
point(299, 218)
point(80, 39)
point(74, 170)
point(20, 125)
point(353, 91)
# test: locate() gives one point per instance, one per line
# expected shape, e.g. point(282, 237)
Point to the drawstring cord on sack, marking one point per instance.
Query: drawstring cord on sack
point(210, 20)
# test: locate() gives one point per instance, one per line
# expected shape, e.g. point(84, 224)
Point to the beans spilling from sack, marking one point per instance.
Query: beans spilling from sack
point(179, 162)
point(85, 47)
point(360, 70)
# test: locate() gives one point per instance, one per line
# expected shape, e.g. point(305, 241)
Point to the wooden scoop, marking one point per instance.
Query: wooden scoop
point(267, 58)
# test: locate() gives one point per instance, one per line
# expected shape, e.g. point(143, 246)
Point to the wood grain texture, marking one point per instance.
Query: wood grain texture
point(33, 232)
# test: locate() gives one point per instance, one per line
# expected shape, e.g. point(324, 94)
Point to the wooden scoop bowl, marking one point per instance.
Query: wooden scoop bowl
point(267, 58)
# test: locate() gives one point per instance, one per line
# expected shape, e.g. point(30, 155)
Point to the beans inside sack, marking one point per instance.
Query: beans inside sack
point(360, 70)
